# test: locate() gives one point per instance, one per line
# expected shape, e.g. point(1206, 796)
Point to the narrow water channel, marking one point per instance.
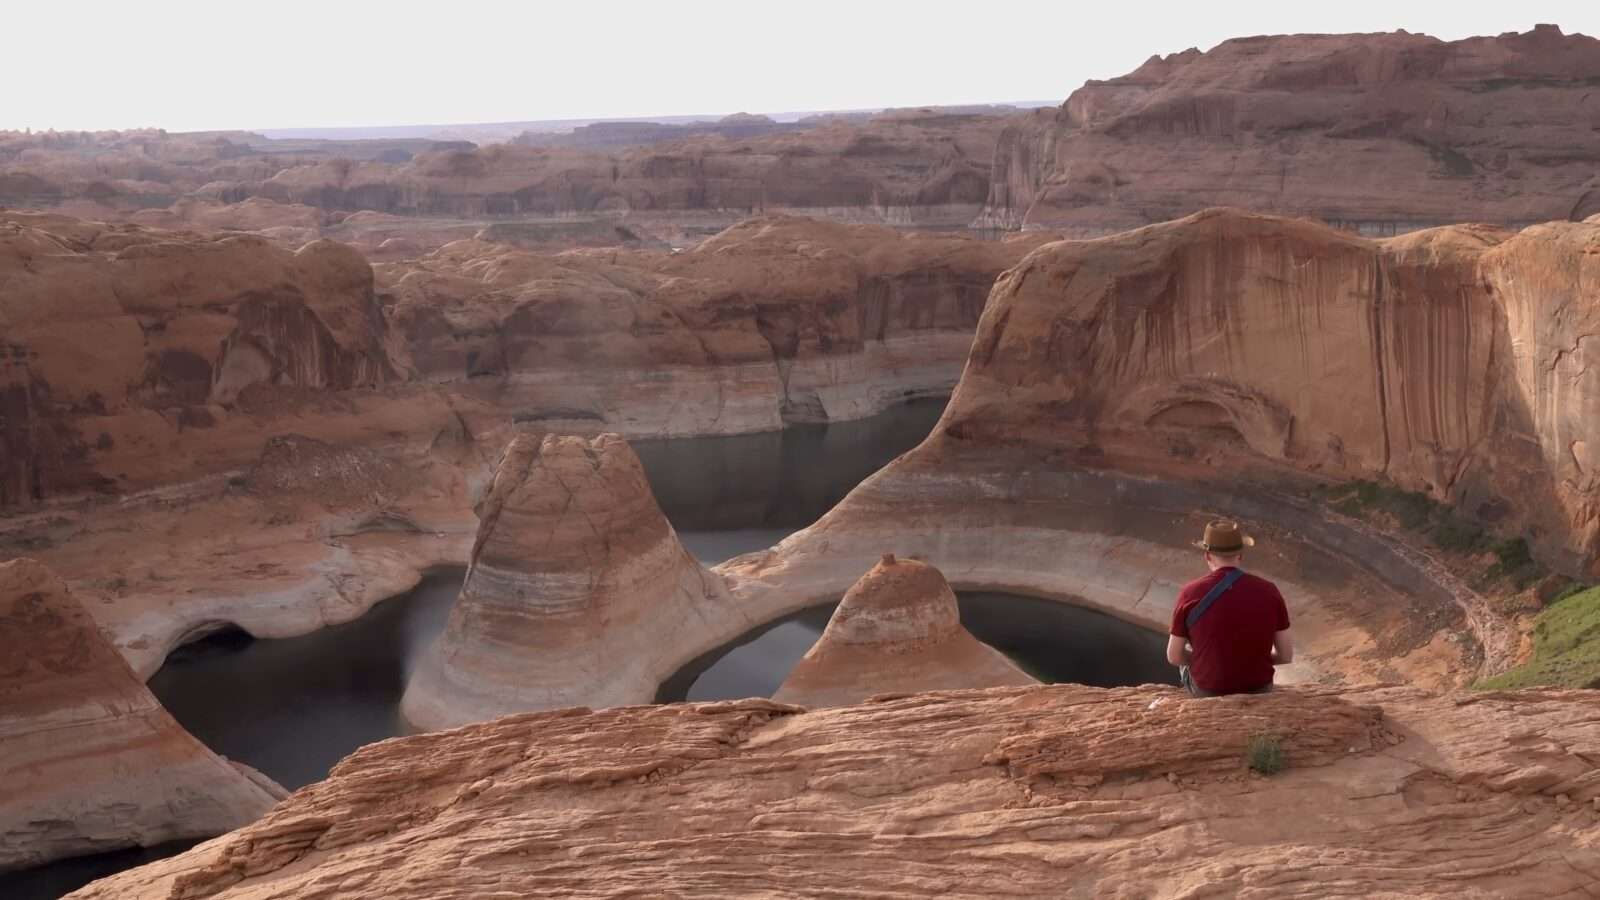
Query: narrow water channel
point(1051, 641)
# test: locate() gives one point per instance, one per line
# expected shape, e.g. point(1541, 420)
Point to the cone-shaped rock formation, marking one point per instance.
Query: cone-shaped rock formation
point(577, 593)
point(89, 760)
point(897, 630)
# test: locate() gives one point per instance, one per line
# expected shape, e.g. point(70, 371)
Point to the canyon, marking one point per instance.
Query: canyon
point(912, 167)
point(1378, 133)
point(205, 344)
point(1337, 286)
point(341, 474)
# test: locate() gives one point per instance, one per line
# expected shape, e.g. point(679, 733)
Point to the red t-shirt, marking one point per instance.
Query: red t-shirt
point(1233, 641)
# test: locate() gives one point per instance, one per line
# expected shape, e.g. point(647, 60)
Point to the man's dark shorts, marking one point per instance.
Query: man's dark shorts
point(1196, 690)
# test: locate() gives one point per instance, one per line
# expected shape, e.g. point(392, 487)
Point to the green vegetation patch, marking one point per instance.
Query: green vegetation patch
point(1566, 647)
point(1440, 524)
point(1265, 754)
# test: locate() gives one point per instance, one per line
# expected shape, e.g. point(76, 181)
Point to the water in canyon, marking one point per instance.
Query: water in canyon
point(1049, 640)
point(293, 708)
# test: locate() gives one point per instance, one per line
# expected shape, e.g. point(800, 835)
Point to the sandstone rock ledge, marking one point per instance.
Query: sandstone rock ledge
point(1024, 792)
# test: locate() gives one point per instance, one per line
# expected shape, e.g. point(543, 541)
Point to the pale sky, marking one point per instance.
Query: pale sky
point(223, 64)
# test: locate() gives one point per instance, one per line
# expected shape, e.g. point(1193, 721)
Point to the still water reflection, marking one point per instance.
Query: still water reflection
point(1051, 641)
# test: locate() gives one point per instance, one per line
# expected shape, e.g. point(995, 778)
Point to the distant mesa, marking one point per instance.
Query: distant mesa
point(897, 630)
point(1378, 133)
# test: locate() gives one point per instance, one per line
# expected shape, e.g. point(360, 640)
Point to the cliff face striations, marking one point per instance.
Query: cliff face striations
point(898, 629)
point(89, 759)
point(1380, 132)
point(1388, 793)
point(1449, 361)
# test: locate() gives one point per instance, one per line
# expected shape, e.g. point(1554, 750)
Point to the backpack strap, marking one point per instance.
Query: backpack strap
point(1217, 590)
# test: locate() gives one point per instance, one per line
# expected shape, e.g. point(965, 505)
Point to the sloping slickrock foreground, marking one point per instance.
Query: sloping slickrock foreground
point(898, 629)
point(89, 761)
point(1381, 132)
point(1019, 792)
point(578, 591)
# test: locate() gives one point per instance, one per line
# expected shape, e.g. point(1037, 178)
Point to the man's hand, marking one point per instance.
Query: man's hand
point(1177, 650)
point(1282, 648)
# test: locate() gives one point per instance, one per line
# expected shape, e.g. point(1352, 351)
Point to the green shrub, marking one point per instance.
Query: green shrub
point(1566, 647)
point(1572, 589)
point(1265, 754)
point(1457, 536)
point(1514, 561)
point(1417, 512)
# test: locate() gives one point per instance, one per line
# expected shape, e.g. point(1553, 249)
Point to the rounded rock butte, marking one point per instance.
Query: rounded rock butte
point(897, 630)
point(578, 591)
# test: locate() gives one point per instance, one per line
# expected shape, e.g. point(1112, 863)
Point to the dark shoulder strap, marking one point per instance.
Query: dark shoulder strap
point(1217, 590)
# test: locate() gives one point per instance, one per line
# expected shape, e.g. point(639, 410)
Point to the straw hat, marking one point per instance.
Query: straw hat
point(1224, 536)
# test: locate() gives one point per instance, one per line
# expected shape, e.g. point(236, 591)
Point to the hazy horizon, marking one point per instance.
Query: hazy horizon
point(310, 66)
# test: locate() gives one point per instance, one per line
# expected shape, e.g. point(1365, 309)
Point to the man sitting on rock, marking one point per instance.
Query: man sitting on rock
point(1229, 628)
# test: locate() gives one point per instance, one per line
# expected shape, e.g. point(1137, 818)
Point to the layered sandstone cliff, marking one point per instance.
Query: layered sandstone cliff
point(132, 353)
point(775, 321)
point(577, 592)
point(1380, 132)
point(118, 340)
point(897, 630)
point(89, 760)
point(1439, 360)
point(1388, 793)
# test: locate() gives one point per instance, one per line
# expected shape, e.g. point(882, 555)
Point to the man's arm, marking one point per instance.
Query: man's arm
point(1177, 650)
point(1282, 648)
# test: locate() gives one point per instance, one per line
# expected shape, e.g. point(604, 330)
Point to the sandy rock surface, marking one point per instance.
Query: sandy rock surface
point(898, 629)
point(89, 760)
point(1384, 133)
point(1042, 791)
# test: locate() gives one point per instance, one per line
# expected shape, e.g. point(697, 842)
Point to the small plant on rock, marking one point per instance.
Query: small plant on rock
point(1265, 754)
